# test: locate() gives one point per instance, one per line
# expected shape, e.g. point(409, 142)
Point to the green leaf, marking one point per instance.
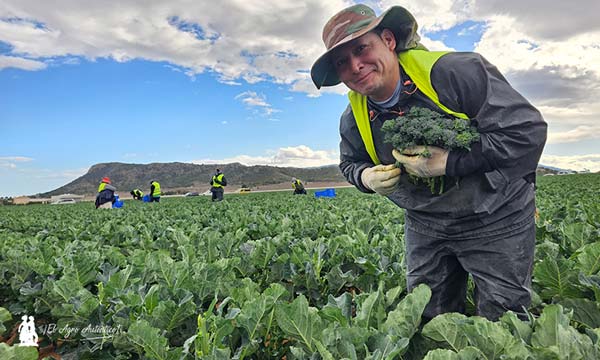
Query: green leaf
point(371, 311)
point(556, 278)
point(441, 354)
point(343, 342)
point(325, 354)
point(405, 319)
point(585, 311)
point(519, 328)
point(149, 339)
point(387, 347)
point(299, 321)
point(4, 317)
point(168, 315)
point(338, 309)
point(588, 259)
point(591, 282)
point(494, 341)
point(255, 313)
point(447, 328)
point(18, 352)
point(553, 334)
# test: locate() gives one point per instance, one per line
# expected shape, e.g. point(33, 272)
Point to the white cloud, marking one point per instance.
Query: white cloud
point(293, 156)
point(548, 50)
point(235, 40)
point(20, 63)
point(575, 162)
point(583, 132)
point(252, 99)
point(10, 162)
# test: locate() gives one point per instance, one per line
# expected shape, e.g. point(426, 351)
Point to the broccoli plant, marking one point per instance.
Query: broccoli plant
point(421, 126)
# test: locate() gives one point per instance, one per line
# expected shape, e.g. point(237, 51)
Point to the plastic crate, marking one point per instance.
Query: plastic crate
point(329, 193)
point(118, 203)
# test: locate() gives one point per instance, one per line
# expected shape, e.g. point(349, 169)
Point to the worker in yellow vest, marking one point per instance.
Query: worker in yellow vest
point(137, 194)
point(105, 196)
point(298, 187)
point(154, 191)
point(217, 182)
point(482, 225)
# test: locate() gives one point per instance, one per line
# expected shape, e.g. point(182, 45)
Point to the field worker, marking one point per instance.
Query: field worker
point(482, 225)
point(137, 194)
point(154, 191)
point(298, 187)
point(106, 194)
point(217, 182)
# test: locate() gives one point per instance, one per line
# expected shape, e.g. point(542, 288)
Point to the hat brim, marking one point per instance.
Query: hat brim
point(399, 20)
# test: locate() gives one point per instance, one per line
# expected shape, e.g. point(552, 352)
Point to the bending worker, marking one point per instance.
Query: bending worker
point(154, 191)
point(217, 183)
point(137, 194)
point(106, 194)
point(298, 187)
point(482, 225)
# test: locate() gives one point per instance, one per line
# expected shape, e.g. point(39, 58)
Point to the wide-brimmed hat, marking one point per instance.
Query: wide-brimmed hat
point(354, 22)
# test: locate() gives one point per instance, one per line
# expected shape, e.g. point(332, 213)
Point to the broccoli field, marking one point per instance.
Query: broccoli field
point(276, 276)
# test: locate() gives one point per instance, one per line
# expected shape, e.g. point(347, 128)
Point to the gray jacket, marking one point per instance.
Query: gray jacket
point(493, 180)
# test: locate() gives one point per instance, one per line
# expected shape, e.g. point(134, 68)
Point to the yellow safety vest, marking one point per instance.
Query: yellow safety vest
point(296, 183)
point(101, 186)
point(156, 192)
point(418, 65)
point(139, 192)
point(216, 178)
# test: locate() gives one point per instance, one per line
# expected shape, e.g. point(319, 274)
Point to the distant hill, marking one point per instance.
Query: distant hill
point(181, 177)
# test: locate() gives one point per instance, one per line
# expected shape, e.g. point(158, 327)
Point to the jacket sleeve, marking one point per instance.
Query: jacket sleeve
point(512, 131)
point(223, 181)
point(151, 190)
point(354, 157)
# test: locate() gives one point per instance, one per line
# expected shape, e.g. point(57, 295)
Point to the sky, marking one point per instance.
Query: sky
point(144, 81)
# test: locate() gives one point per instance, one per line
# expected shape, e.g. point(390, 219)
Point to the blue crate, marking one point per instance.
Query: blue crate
point(330, 193)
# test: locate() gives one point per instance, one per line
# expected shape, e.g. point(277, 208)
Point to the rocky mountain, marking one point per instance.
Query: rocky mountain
point(181, 177)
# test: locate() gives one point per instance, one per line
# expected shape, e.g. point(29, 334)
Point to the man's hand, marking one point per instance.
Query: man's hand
point(422, 166)
point(381, 178)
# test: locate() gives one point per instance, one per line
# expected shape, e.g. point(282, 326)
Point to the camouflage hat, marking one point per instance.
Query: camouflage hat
point(354, 22)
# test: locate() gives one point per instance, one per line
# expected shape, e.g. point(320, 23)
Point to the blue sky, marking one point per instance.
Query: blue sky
point(149, 82)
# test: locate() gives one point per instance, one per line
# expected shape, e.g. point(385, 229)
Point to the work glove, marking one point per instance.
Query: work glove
point(421, 166)
point(381, 178)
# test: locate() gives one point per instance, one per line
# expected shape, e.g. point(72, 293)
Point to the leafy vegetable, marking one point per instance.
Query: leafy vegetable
point(421, 126)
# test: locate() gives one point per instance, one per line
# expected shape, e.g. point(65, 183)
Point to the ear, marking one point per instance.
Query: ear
point(388, 38)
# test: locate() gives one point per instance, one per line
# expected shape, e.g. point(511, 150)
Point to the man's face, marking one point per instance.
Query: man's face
point(369, 65)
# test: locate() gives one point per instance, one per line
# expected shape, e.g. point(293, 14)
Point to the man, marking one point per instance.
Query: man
point(217, 183)
point(298, 187)
point(483, 223)
point(137, 194)
point(106, 194)
point(154, 191)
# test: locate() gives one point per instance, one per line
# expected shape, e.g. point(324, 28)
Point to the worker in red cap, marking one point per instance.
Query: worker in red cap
point(106, 194)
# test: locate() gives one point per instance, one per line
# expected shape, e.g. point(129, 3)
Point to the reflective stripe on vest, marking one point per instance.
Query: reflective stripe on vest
point(101, 186)
point(156, 192)
point(417, 64)
point(216, 178)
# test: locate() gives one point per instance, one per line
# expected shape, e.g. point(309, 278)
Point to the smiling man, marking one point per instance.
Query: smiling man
point(483, 222)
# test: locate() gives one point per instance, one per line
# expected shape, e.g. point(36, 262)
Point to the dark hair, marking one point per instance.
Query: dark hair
point(378, 30)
